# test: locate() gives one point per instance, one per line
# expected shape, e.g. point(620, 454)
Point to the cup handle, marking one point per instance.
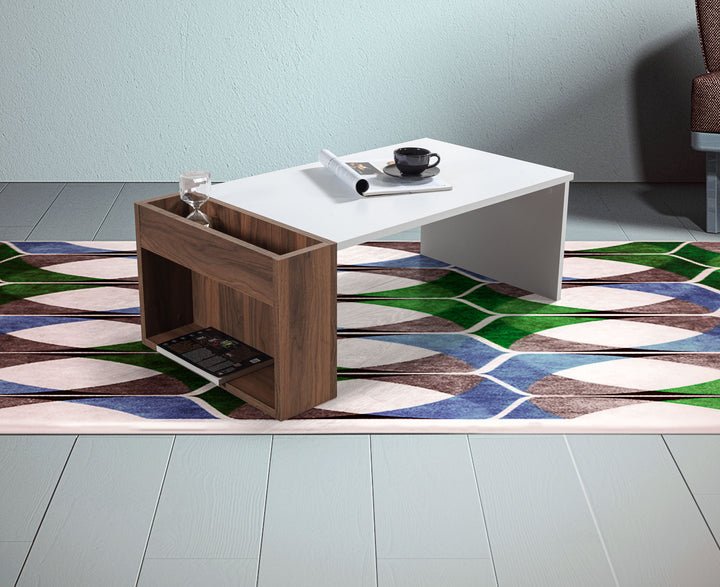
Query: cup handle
point(436, 162)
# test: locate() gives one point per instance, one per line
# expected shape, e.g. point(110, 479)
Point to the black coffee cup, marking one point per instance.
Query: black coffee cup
point(414, 160)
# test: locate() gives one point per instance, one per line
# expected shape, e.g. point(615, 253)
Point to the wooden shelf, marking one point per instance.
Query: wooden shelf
point(265, 283)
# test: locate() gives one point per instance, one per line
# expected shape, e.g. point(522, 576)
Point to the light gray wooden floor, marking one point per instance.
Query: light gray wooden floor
point(343, 510)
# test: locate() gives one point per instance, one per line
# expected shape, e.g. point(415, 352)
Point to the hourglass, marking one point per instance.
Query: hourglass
point(195, 190)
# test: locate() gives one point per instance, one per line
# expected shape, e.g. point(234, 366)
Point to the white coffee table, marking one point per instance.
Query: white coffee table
point(504, 218)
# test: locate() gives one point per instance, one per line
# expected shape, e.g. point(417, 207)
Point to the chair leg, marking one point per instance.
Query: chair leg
point(712, 184)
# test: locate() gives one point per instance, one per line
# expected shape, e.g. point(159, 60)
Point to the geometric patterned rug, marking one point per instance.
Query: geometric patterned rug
point(633, 346)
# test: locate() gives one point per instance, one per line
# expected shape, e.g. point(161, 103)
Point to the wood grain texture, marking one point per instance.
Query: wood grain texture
point(283, 303)
point(306, 330)
point(198, 573)
point(30, 468)
point(262, 232)
point(455, 572)
point(216, 255)
point(426, 501)
point(161, 311)
point(319, 519)
point(231, 311)
point(213, 499)
point(77, 212)
point(265, 233)
point(539, 525)
point(96, 527)
point(652, 528)
point(257, 389)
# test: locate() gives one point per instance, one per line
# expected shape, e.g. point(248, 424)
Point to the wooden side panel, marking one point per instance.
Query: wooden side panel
point(165, 294)
point(241, 224)
point(209, 252)
point(273, 237)
point(256, 388)
point(234, 313)
point(262, 282)
point(306, 330)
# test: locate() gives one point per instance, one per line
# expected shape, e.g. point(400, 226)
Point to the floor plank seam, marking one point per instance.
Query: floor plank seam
point(47, 508)
point(610, 212)
point(372, 505)
point(102, 222)
point(591, 510)
point(690, 491)
point(445, 558)
point(154, 514)
point(262, 524)
point(482, 509)
point(205, 558)
point(62, 189)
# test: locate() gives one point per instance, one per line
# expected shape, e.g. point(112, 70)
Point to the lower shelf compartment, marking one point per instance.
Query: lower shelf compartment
point(262, 282)
point(257, 388)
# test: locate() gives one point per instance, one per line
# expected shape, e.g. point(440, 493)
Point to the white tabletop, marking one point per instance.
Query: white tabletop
point(311, 198)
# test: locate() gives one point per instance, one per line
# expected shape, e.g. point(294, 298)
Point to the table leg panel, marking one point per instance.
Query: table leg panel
point(518, 241)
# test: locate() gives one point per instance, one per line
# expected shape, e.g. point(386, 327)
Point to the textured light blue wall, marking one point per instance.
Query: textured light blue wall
point(133, 90)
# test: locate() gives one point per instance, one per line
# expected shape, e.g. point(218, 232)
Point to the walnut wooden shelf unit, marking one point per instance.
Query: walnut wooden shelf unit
point(262, 282)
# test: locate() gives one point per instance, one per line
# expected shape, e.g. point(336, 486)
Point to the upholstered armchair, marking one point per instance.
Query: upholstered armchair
point(705, 106)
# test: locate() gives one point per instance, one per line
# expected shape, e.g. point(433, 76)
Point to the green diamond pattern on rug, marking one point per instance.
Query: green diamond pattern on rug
point(633, 344)
point(703, 253)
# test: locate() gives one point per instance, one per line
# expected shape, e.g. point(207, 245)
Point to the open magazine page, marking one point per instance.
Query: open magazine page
point(367, 178)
